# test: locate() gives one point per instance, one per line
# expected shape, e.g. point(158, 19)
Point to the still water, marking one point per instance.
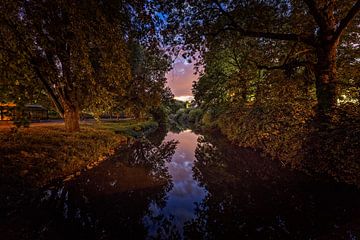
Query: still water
point(187, 186)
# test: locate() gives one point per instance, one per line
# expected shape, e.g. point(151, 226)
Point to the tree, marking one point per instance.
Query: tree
point(227, 77)
point(146, 91)
point(318, 27)
point(69, 47)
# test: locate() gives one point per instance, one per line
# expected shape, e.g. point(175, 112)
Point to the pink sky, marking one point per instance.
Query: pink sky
point(180, 78)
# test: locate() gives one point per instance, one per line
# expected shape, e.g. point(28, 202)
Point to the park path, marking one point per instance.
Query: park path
point(9, 124)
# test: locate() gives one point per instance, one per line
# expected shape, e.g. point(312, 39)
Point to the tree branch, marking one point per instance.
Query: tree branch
point(36, 68)
point(314, 11)
point(48, 88)
point(224, 29)
point(347, 19)
point(270, 35)
point(285, 66)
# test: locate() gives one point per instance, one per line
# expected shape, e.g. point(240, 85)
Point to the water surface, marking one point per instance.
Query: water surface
point(187, 186)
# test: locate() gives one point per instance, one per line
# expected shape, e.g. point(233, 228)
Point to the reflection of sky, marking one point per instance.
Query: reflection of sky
point(186, 191)
point(181, 77)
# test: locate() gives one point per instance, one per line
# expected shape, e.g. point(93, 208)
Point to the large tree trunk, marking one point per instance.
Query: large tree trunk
point(72, 118)
point(325, 71)
point(326, 81)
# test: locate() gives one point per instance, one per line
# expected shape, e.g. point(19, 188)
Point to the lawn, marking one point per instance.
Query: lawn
point(35, 156)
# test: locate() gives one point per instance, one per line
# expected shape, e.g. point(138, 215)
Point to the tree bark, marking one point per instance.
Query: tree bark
point(326, 81)
point(325, 69)
point(72, 118)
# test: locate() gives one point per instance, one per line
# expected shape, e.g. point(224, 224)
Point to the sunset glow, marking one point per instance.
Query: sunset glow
point(180, 78)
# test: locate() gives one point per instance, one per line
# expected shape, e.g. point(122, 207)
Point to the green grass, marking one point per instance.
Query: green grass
point(132, 128)
point(35, 156)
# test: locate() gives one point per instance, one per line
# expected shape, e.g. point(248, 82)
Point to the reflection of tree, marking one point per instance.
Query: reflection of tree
point(251, 197)
point(175, 127)
point(143, 153)
point(110, 201)
point(158, 136)
point(163, 227)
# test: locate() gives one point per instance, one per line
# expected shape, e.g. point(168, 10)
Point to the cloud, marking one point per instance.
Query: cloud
point(181, 77)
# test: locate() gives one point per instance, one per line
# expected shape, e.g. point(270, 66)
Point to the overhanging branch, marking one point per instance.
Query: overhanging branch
point(285, 66)
point(347, 19)
point(48, 88)
point(270, 35)
point(314, 11)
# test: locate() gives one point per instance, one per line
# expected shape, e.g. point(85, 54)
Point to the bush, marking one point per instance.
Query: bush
point(287, 132)
point(208, 119)
point(277, 129)
point(195, 115)
point(335, 150)
point(181, 116)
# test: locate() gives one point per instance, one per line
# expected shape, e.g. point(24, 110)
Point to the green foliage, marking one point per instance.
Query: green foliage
point(181, 116)
point(287, 132)
point(186, 118)
point(83, 55)
point(277, 129)
point(335, 149)
point(174, 105)
point(160, 114)
point(208, 119)
point(237, 38)
point(146, 91)
point(130, 128)
point(277, 116)
point(79, 63)
point(195, 115)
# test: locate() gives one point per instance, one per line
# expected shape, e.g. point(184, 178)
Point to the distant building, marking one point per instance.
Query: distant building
point(36, 112)
point(32, 111)
point(7, 111)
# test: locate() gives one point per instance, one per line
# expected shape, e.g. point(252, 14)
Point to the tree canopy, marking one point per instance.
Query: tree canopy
point(80, 53)
point(289, 35)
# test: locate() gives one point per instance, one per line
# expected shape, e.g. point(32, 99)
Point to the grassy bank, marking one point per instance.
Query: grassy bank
point(130, 128)
point(35, 156)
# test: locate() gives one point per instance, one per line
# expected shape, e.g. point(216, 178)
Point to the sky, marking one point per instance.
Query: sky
point(180, 78)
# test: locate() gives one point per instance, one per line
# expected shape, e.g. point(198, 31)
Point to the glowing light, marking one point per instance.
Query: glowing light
point(184, 98)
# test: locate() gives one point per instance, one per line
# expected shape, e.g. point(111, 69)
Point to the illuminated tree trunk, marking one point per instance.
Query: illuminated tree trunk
point(326, 82)
point(71, 118)
point(325, 69)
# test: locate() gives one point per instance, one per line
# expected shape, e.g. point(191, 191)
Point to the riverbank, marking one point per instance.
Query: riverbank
point(288, 132)
point(32, 158)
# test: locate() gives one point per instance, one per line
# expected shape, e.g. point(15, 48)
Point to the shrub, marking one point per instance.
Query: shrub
point(195, 115)
point(277, 129)
point(208, 119)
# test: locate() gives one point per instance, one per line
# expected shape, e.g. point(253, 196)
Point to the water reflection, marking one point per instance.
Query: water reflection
point(167, 222)
point(255, 198)
point(110, 201)
point(182, 185)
